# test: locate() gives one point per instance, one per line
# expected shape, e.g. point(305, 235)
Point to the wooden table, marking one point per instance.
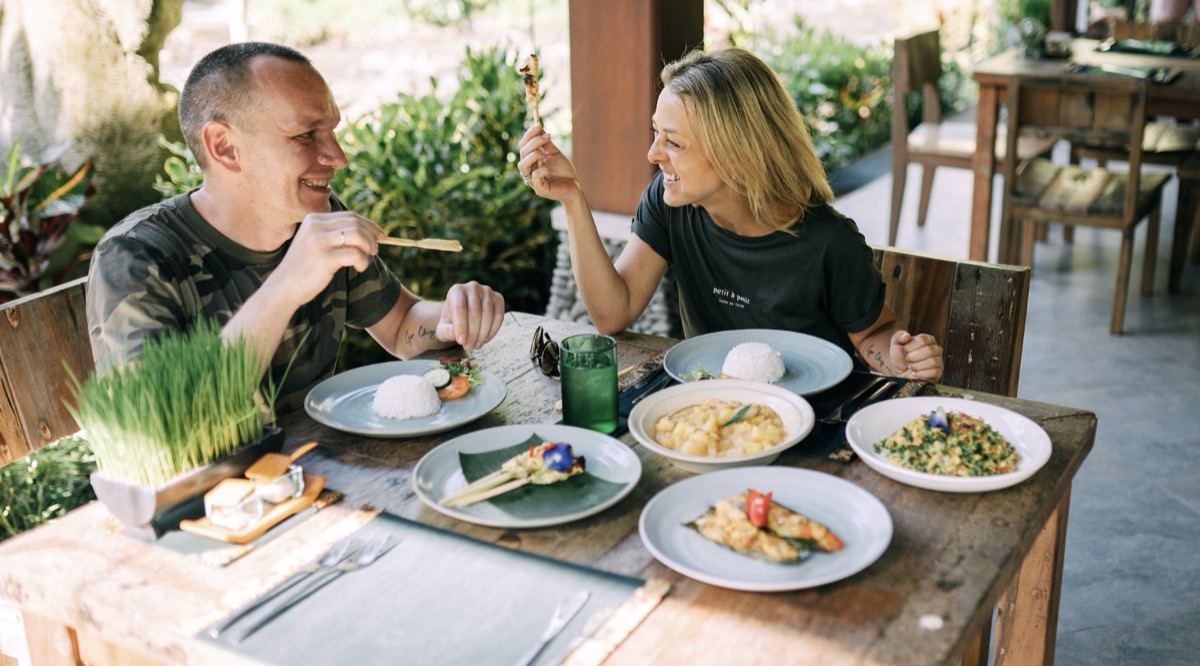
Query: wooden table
point(952, 555)
point(1179, 99)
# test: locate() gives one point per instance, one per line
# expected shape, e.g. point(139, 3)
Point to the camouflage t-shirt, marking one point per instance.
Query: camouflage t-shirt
point(164, 266)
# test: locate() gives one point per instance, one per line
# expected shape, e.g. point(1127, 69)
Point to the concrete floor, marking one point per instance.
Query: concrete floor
point(1131, 587)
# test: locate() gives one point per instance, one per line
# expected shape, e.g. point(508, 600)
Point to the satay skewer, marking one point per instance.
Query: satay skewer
point(542, 464)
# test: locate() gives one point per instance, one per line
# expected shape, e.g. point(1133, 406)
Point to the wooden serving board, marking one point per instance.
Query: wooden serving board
point(313, 485)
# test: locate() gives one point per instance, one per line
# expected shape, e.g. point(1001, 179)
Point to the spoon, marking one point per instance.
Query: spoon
point(273, 465)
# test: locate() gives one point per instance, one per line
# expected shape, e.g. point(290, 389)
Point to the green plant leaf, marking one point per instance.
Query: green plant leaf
point(737, 416)
point(87, 234)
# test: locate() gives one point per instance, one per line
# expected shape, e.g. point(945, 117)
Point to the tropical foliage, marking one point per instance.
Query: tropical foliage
point(45, 484)
point(39, 244)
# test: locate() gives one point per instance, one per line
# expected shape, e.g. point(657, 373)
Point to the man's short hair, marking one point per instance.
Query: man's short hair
point(218, 88)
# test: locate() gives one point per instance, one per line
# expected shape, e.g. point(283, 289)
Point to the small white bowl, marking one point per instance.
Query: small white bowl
point(796, 413)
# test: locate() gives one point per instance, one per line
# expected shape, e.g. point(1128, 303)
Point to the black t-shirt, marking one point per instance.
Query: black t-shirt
point(820, 279)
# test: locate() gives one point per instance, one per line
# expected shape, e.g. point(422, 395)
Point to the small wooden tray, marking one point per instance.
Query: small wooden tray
point(313, 485)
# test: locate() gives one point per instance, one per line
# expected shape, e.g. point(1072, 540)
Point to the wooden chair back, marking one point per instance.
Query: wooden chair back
point(1187, 34)
point(41, 337)
point(1097, 110)
point(975, 310)
point(916, 66)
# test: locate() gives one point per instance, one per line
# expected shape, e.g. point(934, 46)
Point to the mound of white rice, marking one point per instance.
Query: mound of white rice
point(406, 397)
point(753, 361)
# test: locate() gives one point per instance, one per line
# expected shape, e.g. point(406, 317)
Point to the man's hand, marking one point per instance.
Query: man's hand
point(324, 244)
point(916, 357)
point(471, 315)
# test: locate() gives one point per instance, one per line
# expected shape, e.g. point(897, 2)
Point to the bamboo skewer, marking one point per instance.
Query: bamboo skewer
point(478, 495)
point(516, 472)
point(488, 486)
point(441, 244)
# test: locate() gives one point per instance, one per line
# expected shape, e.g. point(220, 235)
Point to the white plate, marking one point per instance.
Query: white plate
point(811, 364)
point(439, 472)
point(855, 515)
point(796, 413)
point(876, 422)
point(343, 402)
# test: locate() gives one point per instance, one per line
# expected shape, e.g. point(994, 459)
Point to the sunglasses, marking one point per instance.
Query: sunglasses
point(544, 353)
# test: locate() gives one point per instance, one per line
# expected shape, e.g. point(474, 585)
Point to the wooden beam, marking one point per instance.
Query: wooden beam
point(618, 48)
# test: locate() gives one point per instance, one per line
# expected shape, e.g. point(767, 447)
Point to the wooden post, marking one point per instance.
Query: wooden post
point(618, 48)
point(1062, 16)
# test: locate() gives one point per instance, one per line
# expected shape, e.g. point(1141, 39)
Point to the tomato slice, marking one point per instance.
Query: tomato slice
point(758, 505)
point(457, 388)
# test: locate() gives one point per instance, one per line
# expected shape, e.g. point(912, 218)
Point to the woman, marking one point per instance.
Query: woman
point(740, 210)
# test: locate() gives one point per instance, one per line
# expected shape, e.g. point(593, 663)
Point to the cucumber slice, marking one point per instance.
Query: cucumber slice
point(439, 377)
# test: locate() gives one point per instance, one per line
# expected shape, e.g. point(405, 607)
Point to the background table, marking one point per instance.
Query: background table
point(951, 556)
point(1179, 99)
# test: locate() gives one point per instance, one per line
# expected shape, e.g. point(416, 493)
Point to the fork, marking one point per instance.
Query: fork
point(336, 554)
point(872, 391)
point(372, 551)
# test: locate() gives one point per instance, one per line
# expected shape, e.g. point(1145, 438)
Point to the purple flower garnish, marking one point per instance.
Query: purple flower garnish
point(938, 419)
point(557, 456)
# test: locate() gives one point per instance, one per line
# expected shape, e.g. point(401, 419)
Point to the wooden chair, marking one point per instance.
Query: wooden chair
point(917, 67)
point(975, 310)
point(42, 336)
point(1187, 34)
point(1163, 142)
point(1098, 110)
point(1187, 221)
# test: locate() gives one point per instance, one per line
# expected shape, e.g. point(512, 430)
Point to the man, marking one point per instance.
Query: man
point(262, 245)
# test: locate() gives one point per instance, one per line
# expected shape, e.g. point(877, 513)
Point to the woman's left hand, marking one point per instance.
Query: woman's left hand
point(916, 356)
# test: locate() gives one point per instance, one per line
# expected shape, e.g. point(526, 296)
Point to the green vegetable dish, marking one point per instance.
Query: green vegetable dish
point(951, 444)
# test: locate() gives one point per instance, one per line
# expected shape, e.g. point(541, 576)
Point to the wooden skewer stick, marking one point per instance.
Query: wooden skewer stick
point(481, 484)
point(440, 244)
point(487, 494)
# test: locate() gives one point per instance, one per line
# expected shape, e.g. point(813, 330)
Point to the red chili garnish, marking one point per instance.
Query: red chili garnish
point(757, 507)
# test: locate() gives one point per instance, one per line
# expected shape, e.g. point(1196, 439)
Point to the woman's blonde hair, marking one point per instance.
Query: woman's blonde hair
point(745, 116)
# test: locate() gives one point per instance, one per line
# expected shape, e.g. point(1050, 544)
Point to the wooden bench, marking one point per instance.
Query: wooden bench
point(43, 340)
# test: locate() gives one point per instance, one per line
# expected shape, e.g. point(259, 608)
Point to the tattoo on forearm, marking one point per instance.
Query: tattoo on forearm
point(879, 360)
point(410, 338)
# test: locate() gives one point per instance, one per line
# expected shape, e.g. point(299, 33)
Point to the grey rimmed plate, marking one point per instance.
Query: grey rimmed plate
point(811, 364)
point(343, 402)
point(855, 515)
point(613, 467)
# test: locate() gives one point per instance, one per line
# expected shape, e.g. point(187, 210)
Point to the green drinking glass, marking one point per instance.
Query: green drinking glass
point(589, 382)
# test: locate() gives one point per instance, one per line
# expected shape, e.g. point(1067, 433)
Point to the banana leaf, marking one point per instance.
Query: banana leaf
point(576, 493)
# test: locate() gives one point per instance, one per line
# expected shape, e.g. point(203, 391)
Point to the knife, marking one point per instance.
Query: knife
point(646, 378)
point(561, 618)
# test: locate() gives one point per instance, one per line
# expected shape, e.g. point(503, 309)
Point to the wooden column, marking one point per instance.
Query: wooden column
point(1062, 16)
point(618, 48)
